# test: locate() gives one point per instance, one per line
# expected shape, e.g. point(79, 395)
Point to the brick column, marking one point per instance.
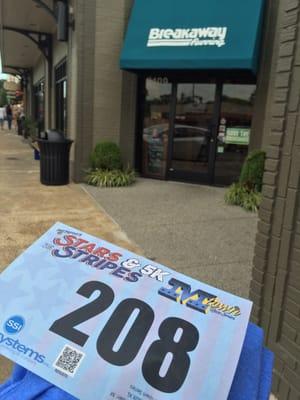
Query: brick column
point(275, 287)
point(81, 86)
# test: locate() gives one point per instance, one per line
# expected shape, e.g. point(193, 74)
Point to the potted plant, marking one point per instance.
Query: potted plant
point(31, 131)
point(247, 192)
point(106, 167)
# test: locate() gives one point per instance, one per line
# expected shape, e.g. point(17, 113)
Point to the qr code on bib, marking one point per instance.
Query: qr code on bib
point(69, 360)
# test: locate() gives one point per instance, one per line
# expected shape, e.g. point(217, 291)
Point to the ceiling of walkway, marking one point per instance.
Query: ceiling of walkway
point(16, 49)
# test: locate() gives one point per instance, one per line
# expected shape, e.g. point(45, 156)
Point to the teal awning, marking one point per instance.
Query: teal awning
point(193, 34)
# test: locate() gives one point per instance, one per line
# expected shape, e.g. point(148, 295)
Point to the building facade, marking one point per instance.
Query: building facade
point(171, 123)
point(185, 123)
point(275, 288)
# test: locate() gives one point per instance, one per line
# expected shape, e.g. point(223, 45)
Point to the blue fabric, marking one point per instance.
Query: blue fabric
point(252, 379)
point(242, 19)
point(266, 375)
point(24, 385)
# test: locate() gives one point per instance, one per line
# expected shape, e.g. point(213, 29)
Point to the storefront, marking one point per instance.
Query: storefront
point(194, 131)
point(197, 81)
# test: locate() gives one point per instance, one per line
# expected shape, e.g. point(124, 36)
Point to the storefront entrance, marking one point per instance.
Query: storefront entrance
point(195, 131)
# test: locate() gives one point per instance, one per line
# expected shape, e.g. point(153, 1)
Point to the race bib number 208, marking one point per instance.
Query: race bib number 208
point(101, 322)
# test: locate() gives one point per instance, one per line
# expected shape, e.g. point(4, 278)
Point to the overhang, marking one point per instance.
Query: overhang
point(193, 35)
point(17, 50)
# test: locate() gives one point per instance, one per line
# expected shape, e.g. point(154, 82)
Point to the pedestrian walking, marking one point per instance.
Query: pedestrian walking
point(9, 116)
point(2, 117)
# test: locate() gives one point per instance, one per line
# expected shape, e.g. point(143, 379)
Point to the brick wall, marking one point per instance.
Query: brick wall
point(102, 102)
point(81, 88)
point(115, 90)
point(275, 287)
point(269, 46)
point(128, 106)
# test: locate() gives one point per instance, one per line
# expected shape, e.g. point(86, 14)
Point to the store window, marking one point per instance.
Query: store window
point(39, 105)
point(61, 96)
point(196, 132)
point(156, 127)
point(234, 131)
point(192, 129)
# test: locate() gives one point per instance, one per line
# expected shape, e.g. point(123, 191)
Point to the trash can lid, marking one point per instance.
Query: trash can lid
point(53, 136)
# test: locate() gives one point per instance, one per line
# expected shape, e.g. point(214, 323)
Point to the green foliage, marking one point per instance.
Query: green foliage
point(3, 95)
point(110, 178)
point(106, 156)
point(235, 194)
point(251, 201)
point(247, 193)
point(106, 167)
point(31, 128)
point(252, 171)
point(239, 195)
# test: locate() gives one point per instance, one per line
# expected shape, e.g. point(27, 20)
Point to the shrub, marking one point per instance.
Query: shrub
point(106, 156)
point(235, 194)
point(251, 201)
point(31, 128)
point(252, 171)
point(110, 178)
point(239, 195)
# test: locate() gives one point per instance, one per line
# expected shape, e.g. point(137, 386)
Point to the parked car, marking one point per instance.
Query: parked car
point(190, 142)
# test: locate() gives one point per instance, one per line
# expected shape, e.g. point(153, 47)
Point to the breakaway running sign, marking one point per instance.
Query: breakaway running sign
point(103, 323)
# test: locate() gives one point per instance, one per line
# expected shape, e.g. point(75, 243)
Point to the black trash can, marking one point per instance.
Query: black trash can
point(54, 153)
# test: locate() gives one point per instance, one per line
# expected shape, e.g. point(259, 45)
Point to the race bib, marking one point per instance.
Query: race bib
point(103, 323)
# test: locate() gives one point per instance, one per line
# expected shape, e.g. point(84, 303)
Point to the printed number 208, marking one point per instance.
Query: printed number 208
point(178, 369)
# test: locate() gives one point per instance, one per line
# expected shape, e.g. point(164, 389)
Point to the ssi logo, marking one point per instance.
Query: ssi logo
point(14, 325)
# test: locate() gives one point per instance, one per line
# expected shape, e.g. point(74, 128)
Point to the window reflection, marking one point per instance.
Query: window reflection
point(61, 96)
point(156, 127)
point(195, 120)
point(39, 105)
point(234, 131)
point(192, 131)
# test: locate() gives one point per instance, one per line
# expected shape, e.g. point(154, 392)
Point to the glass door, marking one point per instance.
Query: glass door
point(196, 132)
point(192, 146)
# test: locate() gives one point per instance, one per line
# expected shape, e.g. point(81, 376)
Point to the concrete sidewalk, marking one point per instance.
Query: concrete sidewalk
point(188, 227)
point(27, 209)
